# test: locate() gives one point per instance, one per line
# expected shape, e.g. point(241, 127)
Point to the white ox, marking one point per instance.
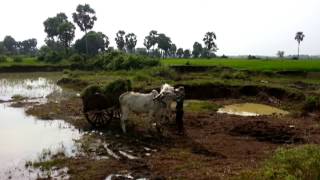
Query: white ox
point(168, 95)
point(150, 103)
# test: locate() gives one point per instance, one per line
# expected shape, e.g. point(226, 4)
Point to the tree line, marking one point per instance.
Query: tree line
point(61, 33)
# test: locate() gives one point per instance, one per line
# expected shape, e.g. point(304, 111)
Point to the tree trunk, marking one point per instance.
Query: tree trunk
point(298, 50)
point(86, 41)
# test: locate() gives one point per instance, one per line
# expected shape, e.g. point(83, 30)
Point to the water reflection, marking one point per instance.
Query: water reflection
point(23, 137)
point(31, 88)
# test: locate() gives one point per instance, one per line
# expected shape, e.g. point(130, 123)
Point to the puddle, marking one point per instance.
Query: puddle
point(22, 137)
point(251, 109)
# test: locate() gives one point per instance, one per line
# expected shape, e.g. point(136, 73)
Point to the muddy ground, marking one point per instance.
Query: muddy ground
point(214, 146)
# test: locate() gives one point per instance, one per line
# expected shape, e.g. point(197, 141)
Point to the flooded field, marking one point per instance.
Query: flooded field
point(22, 137)
point(251, 109)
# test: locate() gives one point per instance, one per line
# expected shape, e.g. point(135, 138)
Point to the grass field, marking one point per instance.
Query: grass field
point(29, 61)
point(256, 65)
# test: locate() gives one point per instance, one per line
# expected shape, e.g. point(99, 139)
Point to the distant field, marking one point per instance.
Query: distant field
point(29, 61)
point(257, 65)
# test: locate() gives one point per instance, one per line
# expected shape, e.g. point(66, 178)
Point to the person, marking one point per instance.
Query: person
point(179, 109)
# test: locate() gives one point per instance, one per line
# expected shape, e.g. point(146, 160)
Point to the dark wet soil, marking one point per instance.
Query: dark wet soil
point(214, 146)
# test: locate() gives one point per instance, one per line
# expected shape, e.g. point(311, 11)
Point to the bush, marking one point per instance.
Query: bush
point(224, 57)
point(53, 57)
point(3, 58)
point(121, 61)
point(49, 55)
point(312, 103)
point(253, 57)
point(234, 75)
point(165, 72)
point(297, 163)
point(17, 59)
point(76, 58)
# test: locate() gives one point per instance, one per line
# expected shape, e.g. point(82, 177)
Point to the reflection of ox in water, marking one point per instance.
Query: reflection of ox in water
point(153, 103)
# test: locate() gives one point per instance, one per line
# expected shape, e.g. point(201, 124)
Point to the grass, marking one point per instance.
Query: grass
point(29, 61)
point(301, 163)
point(255, 65)
point(200, 106)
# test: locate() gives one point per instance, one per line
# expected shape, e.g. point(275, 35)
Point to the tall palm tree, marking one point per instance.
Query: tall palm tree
point(299, 37)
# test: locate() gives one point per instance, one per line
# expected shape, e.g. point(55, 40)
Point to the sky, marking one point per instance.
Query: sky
point(257, 27)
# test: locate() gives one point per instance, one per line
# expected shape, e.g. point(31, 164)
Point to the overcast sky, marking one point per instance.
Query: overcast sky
point(260, 27)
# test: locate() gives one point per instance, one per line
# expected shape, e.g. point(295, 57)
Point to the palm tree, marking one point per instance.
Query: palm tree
point(299, 37)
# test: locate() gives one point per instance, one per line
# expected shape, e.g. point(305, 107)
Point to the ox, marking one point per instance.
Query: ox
point(150, 103)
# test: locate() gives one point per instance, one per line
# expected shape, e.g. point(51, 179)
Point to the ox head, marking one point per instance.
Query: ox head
point(166, 95)
point(179, 91)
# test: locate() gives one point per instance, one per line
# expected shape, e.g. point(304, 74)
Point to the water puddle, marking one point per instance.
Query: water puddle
point(251, 109)
point(22, 137)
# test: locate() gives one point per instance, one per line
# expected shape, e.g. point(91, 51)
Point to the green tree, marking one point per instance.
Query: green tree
point(95, 42)
point(173, 50)
point(180, 53)
point(120, 40)
point(197, 49)
point(280, 54)
point(84, 17)
point(186, 53)
point(28, 46)
point(2, 48)
point(51, 25)
point(131, 42)
point(10, 44)
point(153, 37)
point(147, 43)
point(299, 37)
point(60, 32)
point(208, 40)
point(164, 44)
point(66, 34)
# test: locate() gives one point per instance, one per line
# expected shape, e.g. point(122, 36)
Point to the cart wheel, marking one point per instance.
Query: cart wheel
point(99, 118)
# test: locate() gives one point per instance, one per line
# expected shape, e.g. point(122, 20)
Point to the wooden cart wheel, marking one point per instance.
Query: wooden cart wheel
point(99, 118)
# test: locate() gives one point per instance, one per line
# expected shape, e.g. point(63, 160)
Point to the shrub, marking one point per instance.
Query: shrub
point(312, 103)
point(240, 75)
point(76, 58)
point(302, 162)
point(141, 77)
point(165, 72)
point(121, 61)
point(3, 58)
point(17, 59)
point(253, 57)
point(53, 57)
point(224, 57)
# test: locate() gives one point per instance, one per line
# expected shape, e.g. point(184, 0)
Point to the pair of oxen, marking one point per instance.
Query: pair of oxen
point(156, 104)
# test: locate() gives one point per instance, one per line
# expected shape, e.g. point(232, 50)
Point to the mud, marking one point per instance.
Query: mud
point(215, 146)
point(265, 131)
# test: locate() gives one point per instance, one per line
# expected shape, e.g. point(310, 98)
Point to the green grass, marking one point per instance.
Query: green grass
point(200, 106)
point(29, 61)
point(299, 163)
point(255, 65)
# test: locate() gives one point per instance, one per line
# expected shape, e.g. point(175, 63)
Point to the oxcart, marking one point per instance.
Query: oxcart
point(101, 104)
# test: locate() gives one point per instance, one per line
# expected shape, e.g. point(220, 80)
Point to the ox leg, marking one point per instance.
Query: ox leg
point(124, 117)
point(151, 120)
